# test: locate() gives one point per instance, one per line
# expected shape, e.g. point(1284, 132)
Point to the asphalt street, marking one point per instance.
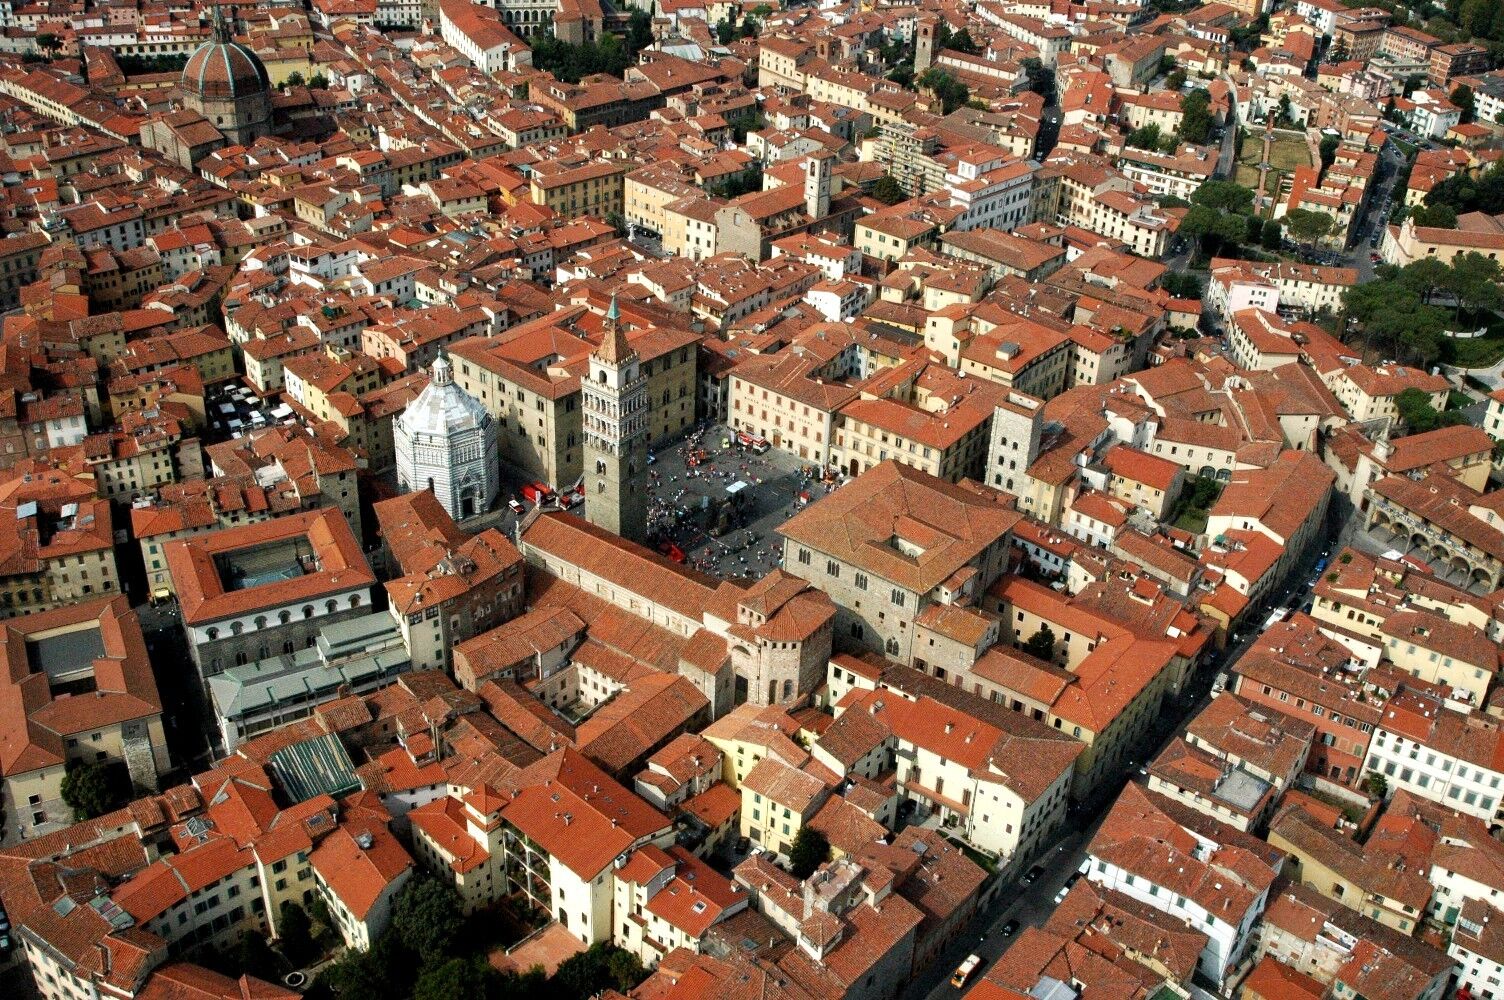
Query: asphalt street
point(1032, 904)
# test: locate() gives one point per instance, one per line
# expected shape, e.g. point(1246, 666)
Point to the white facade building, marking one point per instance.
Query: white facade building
point(446, 443)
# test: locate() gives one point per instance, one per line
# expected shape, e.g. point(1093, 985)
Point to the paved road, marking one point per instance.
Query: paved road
point(1375, 213)
point(1225, 156)
point(1031, 905)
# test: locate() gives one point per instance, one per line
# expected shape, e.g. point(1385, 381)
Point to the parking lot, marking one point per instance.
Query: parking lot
point(235, 410)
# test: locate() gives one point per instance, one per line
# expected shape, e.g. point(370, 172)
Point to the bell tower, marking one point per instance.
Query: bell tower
point(924, 45)
point(615, 416)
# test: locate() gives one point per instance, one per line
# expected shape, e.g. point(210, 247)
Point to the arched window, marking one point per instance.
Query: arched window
point(236, 628)
point(308, 611)
point(260, 622)
point(212, 634)
point(892, 647)
point(331, 607)
point(354, 600)
point(284, 616)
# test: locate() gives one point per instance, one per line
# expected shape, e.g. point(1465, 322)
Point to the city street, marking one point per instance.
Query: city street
point(1031, 905)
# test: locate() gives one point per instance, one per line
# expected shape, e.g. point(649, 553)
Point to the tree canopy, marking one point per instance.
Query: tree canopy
point(1306, 225)
point(1420, 416)
point(572, 63)
point(1041, 644)
point(1462, 193)
point(887, 190)
point(951, 92)
point(427, 918)
point(90, 789)
point(810, 851)
point(1196, 116)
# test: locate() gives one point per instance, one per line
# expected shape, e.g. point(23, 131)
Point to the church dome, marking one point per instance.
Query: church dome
point(443, 409)
point(222, 69)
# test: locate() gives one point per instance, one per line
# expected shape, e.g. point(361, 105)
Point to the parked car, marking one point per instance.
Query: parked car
point(1032, 874)
point(1009, 929)
point(515, 506)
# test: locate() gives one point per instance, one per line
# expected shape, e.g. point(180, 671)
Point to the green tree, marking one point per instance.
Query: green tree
point(427, 918)
point(1395, 318)
point(961, 41)
point(1225, 196)
point(1462, 193)
point(1041, 79)
point(1462, 96)
point(1273, 235)
point(1041, 644)
point(1253, 230)
point(1144, 137)
point(810, 851)
point(1181, 285)
point(599, 968)
point(382, 973)
point(295, 79)
point(639, 31)
point(319, 82)
point(888, 191)
point(1196, 116)
point(1307, 226)
point(951, 93)
point(1175, 80)
point(1435, 216)
point(1425, 277)
point(1416, 411)
point(89, 789)
point(254, 957)
point(48, 42)
point(295, 933)
point(1473, 281)
point(1376, 784)
point(455, 979)
point(1329, 144)
point(625, 970)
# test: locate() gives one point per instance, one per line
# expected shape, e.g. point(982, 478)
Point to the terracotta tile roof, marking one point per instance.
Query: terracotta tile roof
point(903, 525)
point(574, 811)
point(35, 723)
point(340, 565)
point(358, 862)
point(628, 565)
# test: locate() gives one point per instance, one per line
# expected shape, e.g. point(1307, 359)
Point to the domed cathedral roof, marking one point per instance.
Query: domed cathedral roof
point(223, 69)
point(443, 408)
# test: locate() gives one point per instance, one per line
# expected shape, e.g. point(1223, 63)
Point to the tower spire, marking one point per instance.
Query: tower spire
point(614, 347)
point(220, 26)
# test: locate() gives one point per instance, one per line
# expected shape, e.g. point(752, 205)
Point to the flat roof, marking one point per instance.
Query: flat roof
point(1241, 789)
point(65, 652)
